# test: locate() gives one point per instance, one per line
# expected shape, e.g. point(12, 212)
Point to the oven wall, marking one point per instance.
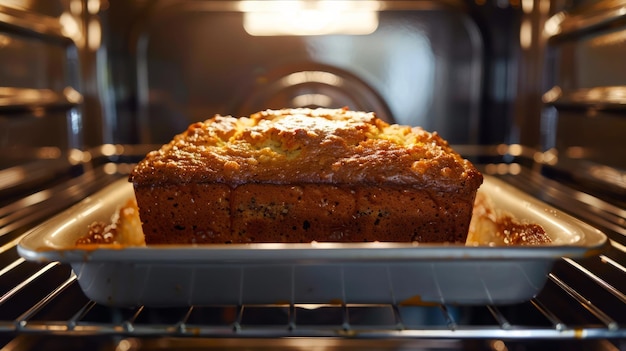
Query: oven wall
point(41, 95)
point(450, 66)
point(584, 102)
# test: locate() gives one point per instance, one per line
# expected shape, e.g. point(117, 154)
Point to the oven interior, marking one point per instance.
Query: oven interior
point(531, 91)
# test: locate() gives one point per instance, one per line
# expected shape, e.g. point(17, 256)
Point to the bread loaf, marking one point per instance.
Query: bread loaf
point(302, 175)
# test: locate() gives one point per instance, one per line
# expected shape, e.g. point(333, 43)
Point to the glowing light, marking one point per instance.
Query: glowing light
point(552, 95)
point(108, 149)
point(49, 152)
point(553, 24)
point(75, 156)
point(550, 157)
point(312, 100)
point(93, 6)
point(94, 35)
point(76, 7)
point(515, 149)
point(267, 18)
point(576, 152)
point(528, 5)
point(110, 168)
point(72, 95)
point(69, 25)
point(526, 34)
point(13, 175)
point(4, 41)
point(312, 76)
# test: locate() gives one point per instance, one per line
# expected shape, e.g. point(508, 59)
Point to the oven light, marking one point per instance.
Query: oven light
point(525, 34)
point(552, 95)
point(553, 24)
point(77, 156)
point(527, 6)
point(70, 26)
point(503, 168)
point(269, 18)
point(548, 157)
point(94, 34)
point(107, 149)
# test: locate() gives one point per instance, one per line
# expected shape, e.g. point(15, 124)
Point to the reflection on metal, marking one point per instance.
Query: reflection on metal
point(14, 175)
point(577, 152)
point(528, 5)
point(72, 96)
point(526, 34)
point(599, 14)
point(548, 157)
point(77, 156)
point(316, 87)
point(23, 98)
point(5, 41)
point(609, 175)
point(94, 34)
point(118, 168)
point(311, 100)
point(599, 97)
point(70, 27)
point(503, 168)
point(552, 26)
point(312, 77)
point(552, 95)
point(33, 22)
point(609, 39)
point(48, 152)
point(94, 6)
point(512, 149)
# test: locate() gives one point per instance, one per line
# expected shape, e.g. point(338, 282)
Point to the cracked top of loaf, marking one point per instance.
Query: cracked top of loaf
point(295, 146)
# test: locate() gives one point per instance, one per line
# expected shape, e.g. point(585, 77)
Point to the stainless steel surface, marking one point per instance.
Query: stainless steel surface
point(598, 97)
point(41, 20)
point(586, 18)
point(422, 66)
point(585, 92)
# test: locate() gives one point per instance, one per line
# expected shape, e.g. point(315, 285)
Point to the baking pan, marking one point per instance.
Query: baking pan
point(313, 273)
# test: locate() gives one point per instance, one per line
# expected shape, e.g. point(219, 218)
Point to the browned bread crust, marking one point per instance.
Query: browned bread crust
point(301, 175)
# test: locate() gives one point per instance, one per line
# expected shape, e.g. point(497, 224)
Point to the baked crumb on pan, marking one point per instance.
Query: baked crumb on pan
point(492, 226)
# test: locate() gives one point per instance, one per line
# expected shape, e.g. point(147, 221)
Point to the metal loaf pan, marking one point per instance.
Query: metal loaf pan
point(315, 273)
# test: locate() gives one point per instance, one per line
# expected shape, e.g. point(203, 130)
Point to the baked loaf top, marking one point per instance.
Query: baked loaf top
point(294, 146)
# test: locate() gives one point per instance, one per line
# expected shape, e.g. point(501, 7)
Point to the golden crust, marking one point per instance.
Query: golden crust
point(331, 146)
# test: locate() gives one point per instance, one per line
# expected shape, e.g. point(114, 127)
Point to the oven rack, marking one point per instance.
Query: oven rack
point(582, 299)
point(350, 321)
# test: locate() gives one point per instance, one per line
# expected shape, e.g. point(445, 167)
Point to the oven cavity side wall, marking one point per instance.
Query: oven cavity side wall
point(584, 101)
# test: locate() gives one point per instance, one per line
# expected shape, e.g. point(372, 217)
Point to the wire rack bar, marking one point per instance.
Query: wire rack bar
point(22, 320)
point(548, 314)
point(16, 289)
point(603, 283)
point(588, 305)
